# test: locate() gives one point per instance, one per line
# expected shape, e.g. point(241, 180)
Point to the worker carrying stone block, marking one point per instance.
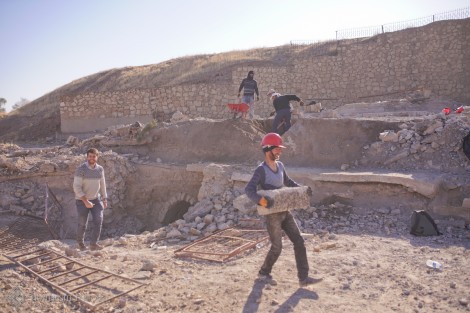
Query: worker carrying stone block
point(270, 176)
point(285, 199)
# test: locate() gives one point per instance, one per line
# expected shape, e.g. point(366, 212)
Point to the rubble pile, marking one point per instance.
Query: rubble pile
point(434, 143)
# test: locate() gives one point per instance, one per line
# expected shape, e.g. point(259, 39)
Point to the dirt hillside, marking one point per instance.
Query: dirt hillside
point(39, 120)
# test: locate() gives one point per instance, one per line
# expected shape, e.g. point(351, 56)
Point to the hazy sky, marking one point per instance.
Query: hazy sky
point(48, 43)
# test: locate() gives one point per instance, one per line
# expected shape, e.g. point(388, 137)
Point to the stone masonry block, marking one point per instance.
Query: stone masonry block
point(285, 199)
point(466, 203)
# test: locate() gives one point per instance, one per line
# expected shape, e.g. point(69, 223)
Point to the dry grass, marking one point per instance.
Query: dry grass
point(206, 68)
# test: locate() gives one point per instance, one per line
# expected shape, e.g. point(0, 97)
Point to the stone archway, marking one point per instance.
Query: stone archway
point(175, 208)
point(176, 212)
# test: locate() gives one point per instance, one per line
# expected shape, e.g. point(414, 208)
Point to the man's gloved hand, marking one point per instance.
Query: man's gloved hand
point(309, 191)
point(267, 202)
point(272, 113)
point(301, 102)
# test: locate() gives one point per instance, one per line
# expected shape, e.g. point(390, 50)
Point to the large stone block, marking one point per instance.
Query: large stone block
point(285, 199)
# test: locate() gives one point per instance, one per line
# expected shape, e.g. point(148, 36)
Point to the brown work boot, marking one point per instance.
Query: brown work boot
point(81, 246)
point(309, 281)
point(95, 246)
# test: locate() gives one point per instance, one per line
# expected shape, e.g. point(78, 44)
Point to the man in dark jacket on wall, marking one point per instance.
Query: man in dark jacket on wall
point(250, 87)
point(283, 110)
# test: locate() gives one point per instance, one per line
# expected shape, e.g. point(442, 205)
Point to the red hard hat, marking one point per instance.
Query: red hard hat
point(272, 139)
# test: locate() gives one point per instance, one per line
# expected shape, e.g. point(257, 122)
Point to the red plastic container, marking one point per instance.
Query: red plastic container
point(238, 107)
point(446, 111)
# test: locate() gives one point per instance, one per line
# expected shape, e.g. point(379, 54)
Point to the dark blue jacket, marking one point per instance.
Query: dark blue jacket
point(282, 102)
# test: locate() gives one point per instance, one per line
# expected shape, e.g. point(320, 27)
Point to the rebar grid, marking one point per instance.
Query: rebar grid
point(224, 244)
point(78, 281)
point(24, 232)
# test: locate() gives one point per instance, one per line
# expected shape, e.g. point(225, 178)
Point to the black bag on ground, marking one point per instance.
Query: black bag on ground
point(466, 145)
point(422, 224)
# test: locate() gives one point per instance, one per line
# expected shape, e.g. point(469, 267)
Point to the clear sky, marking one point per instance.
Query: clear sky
point(46, 44)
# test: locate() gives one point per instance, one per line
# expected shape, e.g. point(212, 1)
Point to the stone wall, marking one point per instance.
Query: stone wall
point(435, 56)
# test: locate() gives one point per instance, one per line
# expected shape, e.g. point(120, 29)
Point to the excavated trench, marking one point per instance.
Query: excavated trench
point(177, 166)
point(161, 191)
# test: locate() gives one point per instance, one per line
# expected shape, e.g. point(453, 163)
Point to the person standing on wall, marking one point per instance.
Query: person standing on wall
point(89, 186)
point(270, 175)
point(250, 87)
point(283, 110)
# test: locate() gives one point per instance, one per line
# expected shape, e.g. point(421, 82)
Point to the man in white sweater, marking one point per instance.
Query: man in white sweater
point(89, 186)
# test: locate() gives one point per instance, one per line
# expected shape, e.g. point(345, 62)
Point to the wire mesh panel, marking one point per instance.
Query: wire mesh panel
point(25, 231)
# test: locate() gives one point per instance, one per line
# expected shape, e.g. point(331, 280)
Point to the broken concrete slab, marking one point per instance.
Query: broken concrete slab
point(422, 183)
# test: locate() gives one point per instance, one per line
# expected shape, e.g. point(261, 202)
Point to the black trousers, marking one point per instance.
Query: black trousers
point(276, 223)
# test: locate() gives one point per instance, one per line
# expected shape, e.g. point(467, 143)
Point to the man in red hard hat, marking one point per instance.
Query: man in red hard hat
point(271, 175)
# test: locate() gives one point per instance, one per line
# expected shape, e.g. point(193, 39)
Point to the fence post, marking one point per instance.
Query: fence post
point(382, 29)
point(336, 35)
point(433, 17)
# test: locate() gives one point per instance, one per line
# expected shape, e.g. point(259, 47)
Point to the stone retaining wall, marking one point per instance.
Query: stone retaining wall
point(435, 56)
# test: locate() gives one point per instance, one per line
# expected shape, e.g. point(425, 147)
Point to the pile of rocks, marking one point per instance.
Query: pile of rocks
point(431, 144)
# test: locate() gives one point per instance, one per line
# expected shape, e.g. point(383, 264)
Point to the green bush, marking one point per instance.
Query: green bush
point(146, 129)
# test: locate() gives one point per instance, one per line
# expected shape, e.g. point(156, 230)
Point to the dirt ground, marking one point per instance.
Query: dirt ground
point(362, 271)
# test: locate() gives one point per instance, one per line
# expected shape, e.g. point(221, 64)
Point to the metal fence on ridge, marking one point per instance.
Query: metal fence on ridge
point(392, 27)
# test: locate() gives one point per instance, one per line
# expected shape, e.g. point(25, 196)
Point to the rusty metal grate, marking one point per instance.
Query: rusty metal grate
point(88, 285)
point(85, 284)
point(224, 244)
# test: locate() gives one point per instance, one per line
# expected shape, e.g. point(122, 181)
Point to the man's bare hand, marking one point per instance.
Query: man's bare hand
point(88, 204)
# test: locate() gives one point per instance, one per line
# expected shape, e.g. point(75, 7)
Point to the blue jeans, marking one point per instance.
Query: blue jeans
point(276, 223)
point(250, 100)
point(97, 214)
point(282, 115)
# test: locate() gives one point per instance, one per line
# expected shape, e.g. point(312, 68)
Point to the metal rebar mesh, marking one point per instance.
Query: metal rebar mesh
point(77, 281)
point(24, 231)
point(223, 245)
